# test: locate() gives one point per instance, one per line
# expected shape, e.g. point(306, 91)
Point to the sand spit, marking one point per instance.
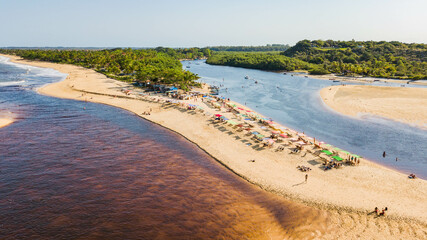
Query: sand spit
point(5, 122)
point(407, 105)
point(349, 194)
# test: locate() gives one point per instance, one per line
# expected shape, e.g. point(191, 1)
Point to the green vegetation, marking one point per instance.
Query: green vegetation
point(349, 58)
point(160, 65)
point(376, 59)
point(264, 61)
point(267, 48)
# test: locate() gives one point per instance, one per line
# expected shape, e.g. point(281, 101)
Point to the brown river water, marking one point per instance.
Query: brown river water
point(103, 173)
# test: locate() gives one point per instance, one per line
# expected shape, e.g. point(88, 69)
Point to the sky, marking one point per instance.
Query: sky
point(201, 23)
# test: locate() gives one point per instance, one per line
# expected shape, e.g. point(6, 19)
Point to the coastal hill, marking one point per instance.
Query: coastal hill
point(348, 58)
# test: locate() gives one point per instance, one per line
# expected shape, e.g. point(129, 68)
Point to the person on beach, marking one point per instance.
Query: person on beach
point(384, 154)
point(376, 210)
point(306, 177)
point(396, 159)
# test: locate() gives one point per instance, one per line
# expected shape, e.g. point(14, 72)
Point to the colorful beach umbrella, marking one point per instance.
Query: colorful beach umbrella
point(327, 152)
point(338, 158)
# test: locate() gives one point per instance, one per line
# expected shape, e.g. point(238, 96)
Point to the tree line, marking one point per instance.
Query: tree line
point(266, 48)
point(160, 65)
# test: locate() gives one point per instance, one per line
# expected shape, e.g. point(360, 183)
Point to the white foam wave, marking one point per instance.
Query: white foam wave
point(20, 82)
point(34, 71)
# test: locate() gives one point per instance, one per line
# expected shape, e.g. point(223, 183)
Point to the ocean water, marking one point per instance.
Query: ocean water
point(78, 170)
point(295, 102)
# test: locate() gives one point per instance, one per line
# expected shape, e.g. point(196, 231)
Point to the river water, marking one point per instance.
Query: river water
point(295, 102)
point(76, 170)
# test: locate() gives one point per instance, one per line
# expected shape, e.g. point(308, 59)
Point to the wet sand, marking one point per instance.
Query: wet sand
point(349, 194)
point(364, 79)
point(407, 105)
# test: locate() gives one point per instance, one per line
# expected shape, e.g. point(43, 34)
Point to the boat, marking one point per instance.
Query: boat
point(246, 77)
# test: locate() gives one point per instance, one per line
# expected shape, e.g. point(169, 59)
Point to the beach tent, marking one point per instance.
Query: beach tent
point(327, 152)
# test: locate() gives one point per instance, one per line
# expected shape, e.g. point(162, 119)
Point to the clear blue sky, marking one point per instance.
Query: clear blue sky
point(187, 23)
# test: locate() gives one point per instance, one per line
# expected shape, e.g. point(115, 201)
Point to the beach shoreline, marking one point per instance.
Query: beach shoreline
point(354, 189)
point(334, 77)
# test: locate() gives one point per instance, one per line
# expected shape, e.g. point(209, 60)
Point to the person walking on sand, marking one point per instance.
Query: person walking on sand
point(384, 154)
point(306, 177)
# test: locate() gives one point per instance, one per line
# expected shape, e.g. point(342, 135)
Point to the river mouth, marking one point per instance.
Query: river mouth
point(295, 102)
point(72, 169)
point(75, 175)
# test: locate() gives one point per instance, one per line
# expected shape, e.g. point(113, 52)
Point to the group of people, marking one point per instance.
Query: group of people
point(382, 213)
point(304, 168)
point(331, 165)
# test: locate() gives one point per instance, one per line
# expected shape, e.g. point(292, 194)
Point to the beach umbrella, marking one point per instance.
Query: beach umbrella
point(354, 155)
point(260, 136)
point(232, 122)
point(338, 158)
point(218, 115)
point(275, 132)
point(345, 152)
point(255, 133)
point(283, 135)
point(327, 152)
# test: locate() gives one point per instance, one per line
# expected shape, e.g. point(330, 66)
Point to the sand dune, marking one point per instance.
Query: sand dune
point(347, 195)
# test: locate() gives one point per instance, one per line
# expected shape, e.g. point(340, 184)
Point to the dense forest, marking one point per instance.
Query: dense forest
point(160, 65)
point(350, 58)
point(264, 61)
point(267, 48)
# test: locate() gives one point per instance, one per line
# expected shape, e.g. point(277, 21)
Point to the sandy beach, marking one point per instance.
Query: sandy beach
point(349, 194)
point(407, 105)
point(364, 79)
point(5, 122)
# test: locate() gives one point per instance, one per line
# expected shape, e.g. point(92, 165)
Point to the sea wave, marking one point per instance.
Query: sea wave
point(11, 83)
point(34, 71)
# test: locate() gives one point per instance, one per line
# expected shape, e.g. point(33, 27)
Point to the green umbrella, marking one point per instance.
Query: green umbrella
point(232, 122)
point(354, 155)
point(345, 152)
point(338, 158)
point(260, 136)
point(327, 152)
point(338, 149)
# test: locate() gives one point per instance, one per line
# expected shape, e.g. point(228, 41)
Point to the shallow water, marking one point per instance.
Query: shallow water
point(76, 170)
point(295, 102)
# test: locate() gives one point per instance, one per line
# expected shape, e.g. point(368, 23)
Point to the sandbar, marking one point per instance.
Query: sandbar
point(5, 122)
point(403, 104)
